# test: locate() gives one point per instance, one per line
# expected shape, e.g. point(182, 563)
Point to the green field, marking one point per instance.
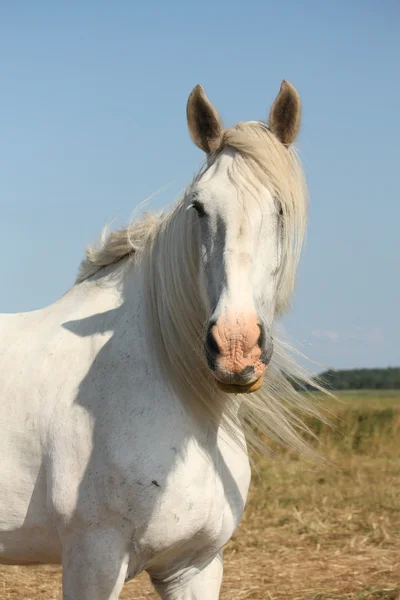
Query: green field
point(328, 531)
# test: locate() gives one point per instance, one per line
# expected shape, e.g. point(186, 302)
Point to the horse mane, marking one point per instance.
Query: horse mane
point(274, 166)
point(167, 246)
point(278, 169)
point(116, 245)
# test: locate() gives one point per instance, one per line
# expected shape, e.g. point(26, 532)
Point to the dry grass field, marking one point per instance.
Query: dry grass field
point(309, 532)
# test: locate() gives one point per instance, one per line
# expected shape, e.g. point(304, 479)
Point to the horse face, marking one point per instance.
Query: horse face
point(240, 235)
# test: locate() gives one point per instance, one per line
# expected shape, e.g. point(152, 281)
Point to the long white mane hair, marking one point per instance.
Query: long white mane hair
point(165, 247)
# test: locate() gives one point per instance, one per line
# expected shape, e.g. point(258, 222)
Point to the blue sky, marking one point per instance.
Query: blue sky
point(92, 121)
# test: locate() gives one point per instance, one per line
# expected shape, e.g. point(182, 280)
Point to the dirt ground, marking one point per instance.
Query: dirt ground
point(309, 533)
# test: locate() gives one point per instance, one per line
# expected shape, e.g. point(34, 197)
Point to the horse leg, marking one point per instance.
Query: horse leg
point(94, 565)
point(205, 585)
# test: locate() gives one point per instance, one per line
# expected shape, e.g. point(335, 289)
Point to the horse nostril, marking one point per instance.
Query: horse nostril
point(261, 337)
point(267, 348)
point(211, 345)
point(267, 352)
point(211, 348)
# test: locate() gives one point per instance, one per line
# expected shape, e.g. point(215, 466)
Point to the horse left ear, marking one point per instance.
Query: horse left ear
point(204, 123)
point(285, 114)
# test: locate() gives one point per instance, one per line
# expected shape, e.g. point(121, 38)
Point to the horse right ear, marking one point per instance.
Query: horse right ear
point(285, 114)
point(204, 123)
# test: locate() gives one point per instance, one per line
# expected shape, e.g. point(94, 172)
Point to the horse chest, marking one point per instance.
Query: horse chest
point(178, 504)
point(192, 513)
point(176, 493)
point(186, 512)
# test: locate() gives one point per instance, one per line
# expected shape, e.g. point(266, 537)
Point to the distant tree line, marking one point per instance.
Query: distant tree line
point(362, 379)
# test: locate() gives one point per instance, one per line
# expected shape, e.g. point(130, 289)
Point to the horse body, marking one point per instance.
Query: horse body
point(81, 458)
point(122, 437)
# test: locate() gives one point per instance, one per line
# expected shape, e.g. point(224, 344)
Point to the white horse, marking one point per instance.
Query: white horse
point(122, 434)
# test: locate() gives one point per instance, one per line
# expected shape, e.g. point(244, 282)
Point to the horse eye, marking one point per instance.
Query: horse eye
point(199, 208)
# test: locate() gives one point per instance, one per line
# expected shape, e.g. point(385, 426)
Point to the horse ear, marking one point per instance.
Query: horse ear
point(204, 123)
point(285, 114)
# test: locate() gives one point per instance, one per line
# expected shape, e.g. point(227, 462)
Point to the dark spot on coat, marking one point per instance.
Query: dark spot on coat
point(154, 482)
